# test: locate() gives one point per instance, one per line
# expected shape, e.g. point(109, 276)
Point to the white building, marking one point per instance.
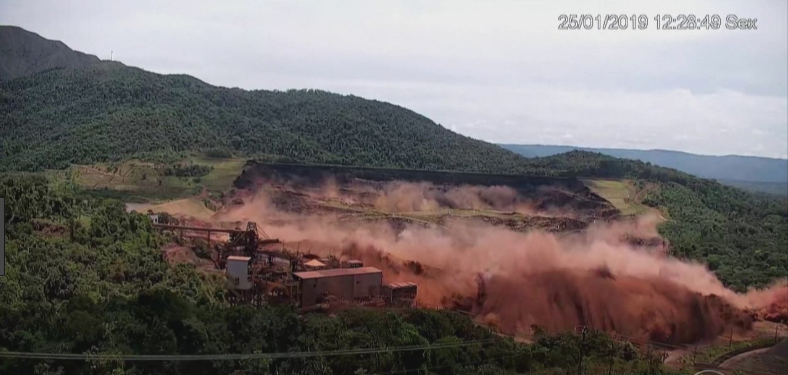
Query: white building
point(237, 271)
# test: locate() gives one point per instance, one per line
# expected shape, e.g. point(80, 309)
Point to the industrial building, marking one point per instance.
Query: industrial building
point(259, 272)
point(399, 293)
point(315, 265)
point(343, 283)
point(353, 263)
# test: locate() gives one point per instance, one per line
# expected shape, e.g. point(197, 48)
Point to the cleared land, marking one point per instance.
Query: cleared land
point(194, 207)
point(223, 172)
point(623, 194)
point(145, 181)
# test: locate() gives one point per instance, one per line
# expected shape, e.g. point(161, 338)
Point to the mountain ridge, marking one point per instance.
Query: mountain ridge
point(63, 116)
point(753, 172)
point(23, 53)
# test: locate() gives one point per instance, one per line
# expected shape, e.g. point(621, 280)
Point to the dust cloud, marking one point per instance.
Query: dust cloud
point(403, 197)
point(400, 196)
point(515, 280)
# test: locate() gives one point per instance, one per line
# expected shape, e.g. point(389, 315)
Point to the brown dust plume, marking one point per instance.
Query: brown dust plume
point(515, 280)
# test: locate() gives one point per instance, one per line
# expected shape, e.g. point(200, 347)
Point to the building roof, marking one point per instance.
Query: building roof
point(336, 272)
point(314, 263)
point(354, 261)
point(240, 258)
point(401, 285)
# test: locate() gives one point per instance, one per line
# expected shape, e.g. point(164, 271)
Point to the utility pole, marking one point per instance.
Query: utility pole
point(612, 355)
point(582, 353)
point(730, 340)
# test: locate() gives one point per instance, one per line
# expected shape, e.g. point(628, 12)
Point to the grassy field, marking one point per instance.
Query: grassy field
point(194, 207)
point(132, 178)
point(140, 181)
point(621, 193)
point(224, 172)
point(712, 353)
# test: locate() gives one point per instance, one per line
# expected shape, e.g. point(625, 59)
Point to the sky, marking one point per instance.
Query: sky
point(500, 71)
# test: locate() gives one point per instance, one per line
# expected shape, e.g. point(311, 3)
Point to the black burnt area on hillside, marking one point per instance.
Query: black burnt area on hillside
point(565, 193)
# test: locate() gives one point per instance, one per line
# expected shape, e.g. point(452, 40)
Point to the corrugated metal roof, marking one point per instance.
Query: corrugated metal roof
point(336, 272)
point(236, 257)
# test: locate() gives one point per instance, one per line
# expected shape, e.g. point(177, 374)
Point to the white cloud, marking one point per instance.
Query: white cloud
point(495, 70)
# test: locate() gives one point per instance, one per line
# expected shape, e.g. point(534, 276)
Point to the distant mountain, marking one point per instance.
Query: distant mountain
point(749, 172)
point(23, 53)
point(777, 188)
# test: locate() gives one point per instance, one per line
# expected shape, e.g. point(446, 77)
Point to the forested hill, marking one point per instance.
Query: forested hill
point(742, 236)
point(749, 172)
point(23, 53)
point(110, 111)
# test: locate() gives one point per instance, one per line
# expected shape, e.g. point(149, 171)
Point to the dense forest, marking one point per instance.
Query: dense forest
point(109, 111)
point(84, 276)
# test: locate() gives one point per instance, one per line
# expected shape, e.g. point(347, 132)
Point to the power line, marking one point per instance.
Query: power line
point(224, 357)
point(220, 357)
point(405, 371)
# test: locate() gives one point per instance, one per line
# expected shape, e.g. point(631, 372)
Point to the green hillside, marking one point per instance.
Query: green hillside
point(109, 111)
point(743, 236)
point(84, 276)
point(727, 167)
point(23, 53)
point(758, 174)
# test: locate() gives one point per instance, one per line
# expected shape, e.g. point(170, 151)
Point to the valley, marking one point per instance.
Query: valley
point(160, 224)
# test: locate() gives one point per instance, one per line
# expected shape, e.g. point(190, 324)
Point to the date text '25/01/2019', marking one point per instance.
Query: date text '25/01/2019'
point(659, 22)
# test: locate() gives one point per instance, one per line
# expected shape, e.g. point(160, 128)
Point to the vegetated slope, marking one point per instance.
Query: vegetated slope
point(23, 53)
point(742, 236)
point(84, 276)
point(109, 111)
point(765, 174)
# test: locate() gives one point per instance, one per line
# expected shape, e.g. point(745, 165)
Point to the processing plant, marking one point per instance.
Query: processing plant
point(260, 270)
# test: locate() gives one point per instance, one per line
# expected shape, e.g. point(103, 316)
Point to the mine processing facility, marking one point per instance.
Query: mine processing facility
point(260, 270)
